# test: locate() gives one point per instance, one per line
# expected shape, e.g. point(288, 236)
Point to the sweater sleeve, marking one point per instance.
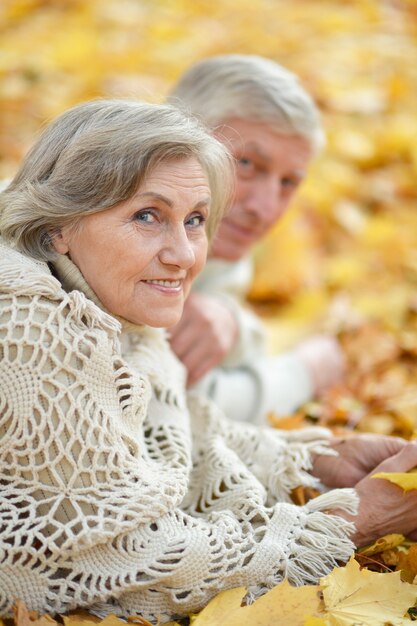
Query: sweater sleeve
point(249, 384)
point(228, 282)
point(249, 392)
point(101, 504)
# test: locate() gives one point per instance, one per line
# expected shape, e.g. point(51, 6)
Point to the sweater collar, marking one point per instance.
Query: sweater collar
point(72, 279)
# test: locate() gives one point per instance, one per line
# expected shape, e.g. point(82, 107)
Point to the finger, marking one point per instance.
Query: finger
point(180, 328)
point(394, 445)
point(402, 461)
point(185, 340)
point(173, 331)
point(188, 318)
point(201, 365)
point(412, 535)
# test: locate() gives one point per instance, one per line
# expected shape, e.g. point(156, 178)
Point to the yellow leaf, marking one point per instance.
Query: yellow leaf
point(387, 542)
point(283, 605)
point(80, 618)
point(406, 480)
point(315, 621)
point(85, 619)
point(365, 598)
point(224, 605)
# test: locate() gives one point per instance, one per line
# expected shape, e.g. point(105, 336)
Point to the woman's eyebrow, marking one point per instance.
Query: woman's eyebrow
point(158, 196)
point(155, 196)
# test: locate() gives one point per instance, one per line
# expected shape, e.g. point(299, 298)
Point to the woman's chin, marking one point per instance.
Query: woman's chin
point(160, 321)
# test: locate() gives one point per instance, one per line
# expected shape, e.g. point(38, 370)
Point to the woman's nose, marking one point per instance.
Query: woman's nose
point(177, 250)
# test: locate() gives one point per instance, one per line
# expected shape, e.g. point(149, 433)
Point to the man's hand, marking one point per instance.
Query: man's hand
point(204, 336)
point(324, 359)
point(385, 508)
point(358, 455)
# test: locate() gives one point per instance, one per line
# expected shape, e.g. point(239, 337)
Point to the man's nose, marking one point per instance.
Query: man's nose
point(177, 249)
point(263, 200)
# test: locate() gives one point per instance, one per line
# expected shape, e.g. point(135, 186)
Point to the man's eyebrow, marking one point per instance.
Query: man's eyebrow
point(251, 145)
point(254, 146)
point(158, 196)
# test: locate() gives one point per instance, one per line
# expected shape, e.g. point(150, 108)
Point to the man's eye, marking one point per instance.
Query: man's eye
point(196, 220)
point(245, 167)
point(144, 216)
point(245, 162)
point(290, 182)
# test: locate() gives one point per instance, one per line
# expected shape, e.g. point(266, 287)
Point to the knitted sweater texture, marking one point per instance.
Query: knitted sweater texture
point(117, 491)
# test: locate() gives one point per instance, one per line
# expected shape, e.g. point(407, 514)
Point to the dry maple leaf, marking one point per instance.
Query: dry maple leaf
point(283, 605)
point(383, 555)
point(387, 542)
point(364, 598)
point(407, 564)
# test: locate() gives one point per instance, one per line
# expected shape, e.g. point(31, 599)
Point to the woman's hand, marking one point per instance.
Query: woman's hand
point(385, 508)
point(204, 336)
point(358, 455)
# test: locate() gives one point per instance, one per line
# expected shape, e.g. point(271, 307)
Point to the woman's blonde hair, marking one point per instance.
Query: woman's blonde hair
point(252, 88)
point(96, 155)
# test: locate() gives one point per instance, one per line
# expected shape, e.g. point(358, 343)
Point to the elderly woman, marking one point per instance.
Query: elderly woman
point(111, 497)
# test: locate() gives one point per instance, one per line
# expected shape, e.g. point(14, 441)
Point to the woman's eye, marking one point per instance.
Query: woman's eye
point(196, 220)
point(144, 216)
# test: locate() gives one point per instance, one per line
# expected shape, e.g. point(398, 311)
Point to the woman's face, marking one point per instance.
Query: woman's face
point(141, 256)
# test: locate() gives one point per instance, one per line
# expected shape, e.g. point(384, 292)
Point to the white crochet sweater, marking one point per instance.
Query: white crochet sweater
point(116, 496)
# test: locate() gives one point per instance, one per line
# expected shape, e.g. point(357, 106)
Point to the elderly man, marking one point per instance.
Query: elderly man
point(272, 127)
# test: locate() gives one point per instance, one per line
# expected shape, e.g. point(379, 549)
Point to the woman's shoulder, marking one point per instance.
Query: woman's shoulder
point(23, 275)
point(29, 292)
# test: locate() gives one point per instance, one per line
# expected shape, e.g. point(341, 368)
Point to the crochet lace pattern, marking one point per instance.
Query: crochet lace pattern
point(117, 492)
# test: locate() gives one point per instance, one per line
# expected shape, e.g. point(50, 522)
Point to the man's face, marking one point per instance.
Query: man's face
point(269, 169)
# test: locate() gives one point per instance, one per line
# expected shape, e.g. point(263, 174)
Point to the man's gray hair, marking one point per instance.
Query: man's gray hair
point(96, 155)
point(252, 88)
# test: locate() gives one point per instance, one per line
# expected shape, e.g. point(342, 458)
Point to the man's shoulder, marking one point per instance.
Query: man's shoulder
point(231, 277)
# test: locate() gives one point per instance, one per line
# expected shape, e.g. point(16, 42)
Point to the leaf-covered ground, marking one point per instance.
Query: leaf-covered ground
point(345, 257)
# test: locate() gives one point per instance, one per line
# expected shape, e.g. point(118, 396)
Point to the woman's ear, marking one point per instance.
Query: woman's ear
point(59, 241)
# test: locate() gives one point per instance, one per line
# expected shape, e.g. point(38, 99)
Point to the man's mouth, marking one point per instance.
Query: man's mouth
point(244, 232)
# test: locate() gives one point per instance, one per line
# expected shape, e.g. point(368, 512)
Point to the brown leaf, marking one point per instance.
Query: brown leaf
point(290, 422)
point(24, 617)
point(407, 563)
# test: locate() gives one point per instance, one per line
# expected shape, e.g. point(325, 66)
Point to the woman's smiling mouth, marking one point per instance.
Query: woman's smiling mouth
point(165, 284)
